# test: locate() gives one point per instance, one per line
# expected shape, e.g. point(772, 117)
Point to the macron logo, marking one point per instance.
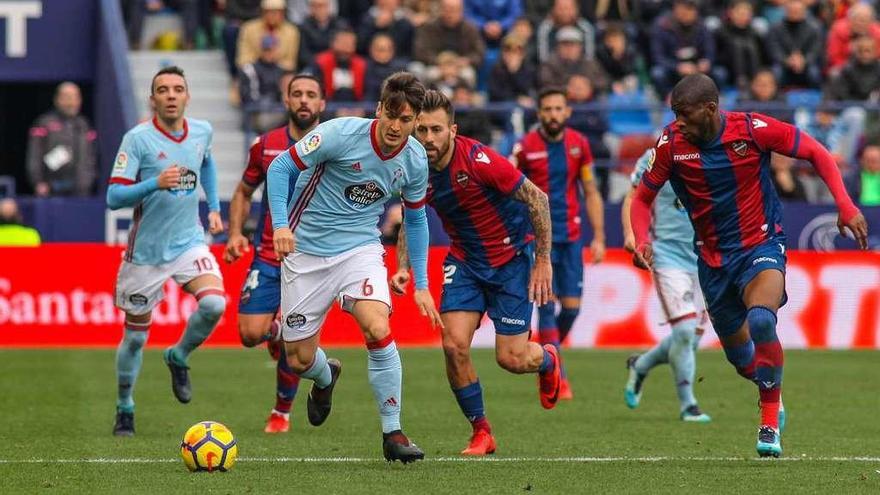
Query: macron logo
point(482, 158)
point(686, 157)
point(512, 321)
point(758, 124)
point(763, 259)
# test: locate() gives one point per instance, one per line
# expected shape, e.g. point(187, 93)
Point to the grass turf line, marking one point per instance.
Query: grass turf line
point(59, 405)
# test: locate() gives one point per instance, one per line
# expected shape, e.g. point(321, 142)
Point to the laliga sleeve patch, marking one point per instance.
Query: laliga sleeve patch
point(121, 162)
point(311, 144)
point(651, 157)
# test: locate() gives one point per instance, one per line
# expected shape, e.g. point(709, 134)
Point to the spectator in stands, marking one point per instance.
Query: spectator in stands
point(681, 45)
point(740, 46)
point(236, 13)
point(271, 21)
point(493, 18)
point(386, 17)
point(13, 231)
point(61, 148)
point(382, 63)
point(523, 29)
point(591, 123)
point(259, 83)
point(604, 12)
point(788, 185)
point(859, 79)
point(447, 74)
point(341, 69)
point(569, 60)
point(137, 11)
point(764, 97)
point(513, 78)
point(420, 12)
point(860, 21)
point(299, 10)
point(472, 121)
point(795, 47)
point(450, 32)
point(619, 59)
point(865, 185)
point(537, 10)
point(317, 30)
point(565, 14)
point(773, 11)
point(841, 133)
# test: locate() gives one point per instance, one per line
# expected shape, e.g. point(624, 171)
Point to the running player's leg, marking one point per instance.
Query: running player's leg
point(569, 277)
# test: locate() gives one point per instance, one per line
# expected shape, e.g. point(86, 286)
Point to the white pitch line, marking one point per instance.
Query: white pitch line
point(334, 460)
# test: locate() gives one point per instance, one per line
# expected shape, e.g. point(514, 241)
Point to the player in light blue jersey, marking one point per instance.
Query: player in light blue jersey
point(350, 167)
point(157, 170)
point(675, 278)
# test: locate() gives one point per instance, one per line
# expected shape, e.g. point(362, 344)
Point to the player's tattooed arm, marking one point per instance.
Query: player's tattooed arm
point(402, 253)
point(539, 214)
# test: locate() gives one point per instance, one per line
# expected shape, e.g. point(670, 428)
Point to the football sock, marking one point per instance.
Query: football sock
point(768, 362)
point(385, 375)
point(129, 356)
point(286, 383)
point(682, 359)
point(547, 329)
point(212, 303)
point(565, 320)
point(659, 354)
point(319, 371)
point(470, 400)
point(547, 364)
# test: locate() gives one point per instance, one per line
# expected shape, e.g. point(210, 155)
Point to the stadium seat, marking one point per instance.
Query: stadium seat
point(630, 114)
point(810, 98)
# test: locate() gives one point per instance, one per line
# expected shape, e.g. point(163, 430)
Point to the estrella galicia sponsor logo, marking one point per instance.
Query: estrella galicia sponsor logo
point(512, 321)
point(764, 259)
point(363, 195)
point(137, 299)
point(187, 183)
point(295, 320)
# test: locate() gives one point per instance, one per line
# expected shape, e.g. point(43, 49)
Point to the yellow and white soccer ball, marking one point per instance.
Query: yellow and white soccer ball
point(208, 446)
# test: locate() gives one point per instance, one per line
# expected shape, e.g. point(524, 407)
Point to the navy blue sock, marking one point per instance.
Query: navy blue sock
point(470, 400)
point(565, 320)
point(546, 365)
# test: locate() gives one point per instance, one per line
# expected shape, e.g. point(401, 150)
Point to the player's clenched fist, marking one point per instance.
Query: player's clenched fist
point(399, 281)
point(170, 177)
point(236, 246)
point(643, 257)
point(283, 241)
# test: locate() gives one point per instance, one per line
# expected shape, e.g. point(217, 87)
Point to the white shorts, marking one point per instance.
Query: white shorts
point(310, 284)
point(679, 293)
point(139, 287)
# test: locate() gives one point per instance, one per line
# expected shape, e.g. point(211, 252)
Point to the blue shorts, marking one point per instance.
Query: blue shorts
point(568, 268)
point(723, 287)
point(503, 292)
point(261, 293)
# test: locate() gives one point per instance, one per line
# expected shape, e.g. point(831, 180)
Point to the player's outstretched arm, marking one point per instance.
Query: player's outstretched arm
point(415, 228)
point(540, 285)
point(277, 185)
point(640, 220)
point(239, 209)
point(208, 178)
point(596, 213)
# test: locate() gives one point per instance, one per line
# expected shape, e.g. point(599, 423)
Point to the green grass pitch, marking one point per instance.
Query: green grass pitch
point(57, 412)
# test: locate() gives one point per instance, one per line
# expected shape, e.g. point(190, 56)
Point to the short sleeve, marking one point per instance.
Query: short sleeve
point(127, 163)
point(316, 147)
point(585, 167)
point(414, 191)
point(658, 166)
point(253, 173)
point(773, 135)
point(493, 170)
point(641, 165)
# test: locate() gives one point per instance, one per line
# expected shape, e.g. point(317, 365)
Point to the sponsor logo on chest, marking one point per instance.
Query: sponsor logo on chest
point(187, 183)
point(740, 147)
point(686, 156)
point(363, 195)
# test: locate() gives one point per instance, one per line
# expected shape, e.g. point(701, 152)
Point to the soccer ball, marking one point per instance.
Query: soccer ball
point(208, 446)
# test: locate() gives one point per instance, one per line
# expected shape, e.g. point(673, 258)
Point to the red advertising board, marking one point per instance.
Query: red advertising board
point(62, 295)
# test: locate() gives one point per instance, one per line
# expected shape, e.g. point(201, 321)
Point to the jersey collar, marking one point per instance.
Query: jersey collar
point(376, 147)
point(168, 134)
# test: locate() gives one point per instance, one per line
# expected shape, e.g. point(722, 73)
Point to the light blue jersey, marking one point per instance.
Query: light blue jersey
point(343, 187)
point(166, 221)
point(672, 230)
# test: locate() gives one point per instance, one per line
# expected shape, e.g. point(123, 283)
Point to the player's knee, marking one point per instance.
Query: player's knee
point(249, 334)
point(762, 324)
point(684, 333)
point(456, 351)
point(212, 306)
point(134, 341)
point(298, 364)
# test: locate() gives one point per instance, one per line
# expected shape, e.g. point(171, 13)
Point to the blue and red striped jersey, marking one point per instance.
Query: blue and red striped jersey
point(558, 168)
point(473, 197)
point(726, 184)
point(262, 152)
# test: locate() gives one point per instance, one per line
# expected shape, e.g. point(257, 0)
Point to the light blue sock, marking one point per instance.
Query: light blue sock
point(319, 371)
point(199, 327)
point(659, 354)
point(385, 375)
point(683, 360)
point(129, 356)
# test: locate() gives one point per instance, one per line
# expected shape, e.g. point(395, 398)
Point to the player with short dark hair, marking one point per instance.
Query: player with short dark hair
point(719, 166)
point(486, 206)
point(349, 169)
point(157, 170)
point(261, 293)
point(558, 160)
